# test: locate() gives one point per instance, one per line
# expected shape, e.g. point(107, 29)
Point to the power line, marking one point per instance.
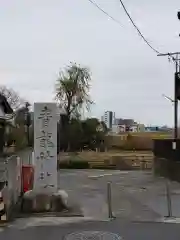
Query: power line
point(138, 30)
point(145, 40)
point(103, 11)
point(142, 36)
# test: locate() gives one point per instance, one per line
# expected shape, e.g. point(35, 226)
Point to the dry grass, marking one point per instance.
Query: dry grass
point(137, 141)
point(127, 159)
point(99, 156)
point(148, 134)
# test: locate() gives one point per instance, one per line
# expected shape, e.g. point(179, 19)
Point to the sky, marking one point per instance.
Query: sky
point(40, 37)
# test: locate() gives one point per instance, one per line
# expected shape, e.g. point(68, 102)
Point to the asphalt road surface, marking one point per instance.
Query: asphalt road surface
point(138, 203)
point(126, 230)
point(136, 195)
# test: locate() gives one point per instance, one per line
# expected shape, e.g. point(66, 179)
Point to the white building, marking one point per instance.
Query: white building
point(118, 129)
point(133, 128)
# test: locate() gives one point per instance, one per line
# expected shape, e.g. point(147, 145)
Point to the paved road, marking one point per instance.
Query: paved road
point(136, 200)
point(129, 231)
point(136, 195)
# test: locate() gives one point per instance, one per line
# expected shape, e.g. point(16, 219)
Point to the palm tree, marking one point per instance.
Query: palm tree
point(72, 90)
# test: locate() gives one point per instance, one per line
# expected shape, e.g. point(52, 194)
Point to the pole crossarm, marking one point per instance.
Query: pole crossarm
point(168, 54)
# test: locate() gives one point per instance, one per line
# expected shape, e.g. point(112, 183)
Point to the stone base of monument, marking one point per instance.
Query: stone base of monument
point(34, 202)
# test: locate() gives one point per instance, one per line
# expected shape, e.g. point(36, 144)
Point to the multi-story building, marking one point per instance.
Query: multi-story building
point(127, 122)
point(120, 125)
point(108, 118)
point(127, 125)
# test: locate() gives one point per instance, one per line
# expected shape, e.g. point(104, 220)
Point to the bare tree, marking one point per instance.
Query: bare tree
point(12, 97)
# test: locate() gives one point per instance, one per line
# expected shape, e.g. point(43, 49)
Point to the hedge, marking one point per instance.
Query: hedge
point(73, 165)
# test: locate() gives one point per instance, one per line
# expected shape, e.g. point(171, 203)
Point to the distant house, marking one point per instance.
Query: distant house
point(5, 114)
point(152, 129)
point(137, 128)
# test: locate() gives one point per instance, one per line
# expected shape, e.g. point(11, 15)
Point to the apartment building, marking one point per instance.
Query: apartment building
point(108, 118)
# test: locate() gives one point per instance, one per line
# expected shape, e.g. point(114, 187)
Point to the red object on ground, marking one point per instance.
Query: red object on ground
point(27, 177)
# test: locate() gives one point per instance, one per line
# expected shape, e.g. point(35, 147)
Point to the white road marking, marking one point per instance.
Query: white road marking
point(95, 177)
point(108, 174)
point(170, 220)
point(104, 175)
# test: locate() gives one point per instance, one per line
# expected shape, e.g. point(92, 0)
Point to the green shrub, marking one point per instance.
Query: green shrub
point(17, 136)
point(79, 164)
point(64, 164)
point(73, 165)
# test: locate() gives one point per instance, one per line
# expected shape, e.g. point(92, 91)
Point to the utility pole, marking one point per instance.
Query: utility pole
point(176, 97)
point(178, 15)
point(27, 121)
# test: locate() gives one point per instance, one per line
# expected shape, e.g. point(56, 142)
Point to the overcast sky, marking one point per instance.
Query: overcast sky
point(39, 37)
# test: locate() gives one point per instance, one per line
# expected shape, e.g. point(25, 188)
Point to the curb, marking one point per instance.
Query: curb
point(170, 220)
point(166, 220)
point(49, 214)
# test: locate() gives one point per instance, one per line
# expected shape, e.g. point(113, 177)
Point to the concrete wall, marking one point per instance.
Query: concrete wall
point(11, 190)
point(167, 159)
point(2, 114)
point(167, 168)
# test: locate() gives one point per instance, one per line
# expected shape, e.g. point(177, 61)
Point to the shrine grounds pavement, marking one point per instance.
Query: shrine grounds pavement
point(138, 202)
point(136, 195)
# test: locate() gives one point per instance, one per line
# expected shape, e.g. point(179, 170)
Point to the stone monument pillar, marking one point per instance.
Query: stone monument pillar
point(45, 147)
point(45, 195)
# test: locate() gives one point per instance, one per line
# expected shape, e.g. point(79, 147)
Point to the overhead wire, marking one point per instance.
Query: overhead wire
point(139, 32)
point(134, 24)
point(117, 21)
point(142, 36)
point(106, 13)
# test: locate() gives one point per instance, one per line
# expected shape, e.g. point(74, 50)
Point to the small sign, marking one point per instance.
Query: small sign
point(174, 145)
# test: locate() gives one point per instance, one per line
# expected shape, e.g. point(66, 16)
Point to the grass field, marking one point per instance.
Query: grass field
point(123, 159)
point(138, 141)
point(152, 135)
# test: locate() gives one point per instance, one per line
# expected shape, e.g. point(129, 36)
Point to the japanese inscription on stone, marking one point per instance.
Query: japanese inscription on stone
point(45, 147)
